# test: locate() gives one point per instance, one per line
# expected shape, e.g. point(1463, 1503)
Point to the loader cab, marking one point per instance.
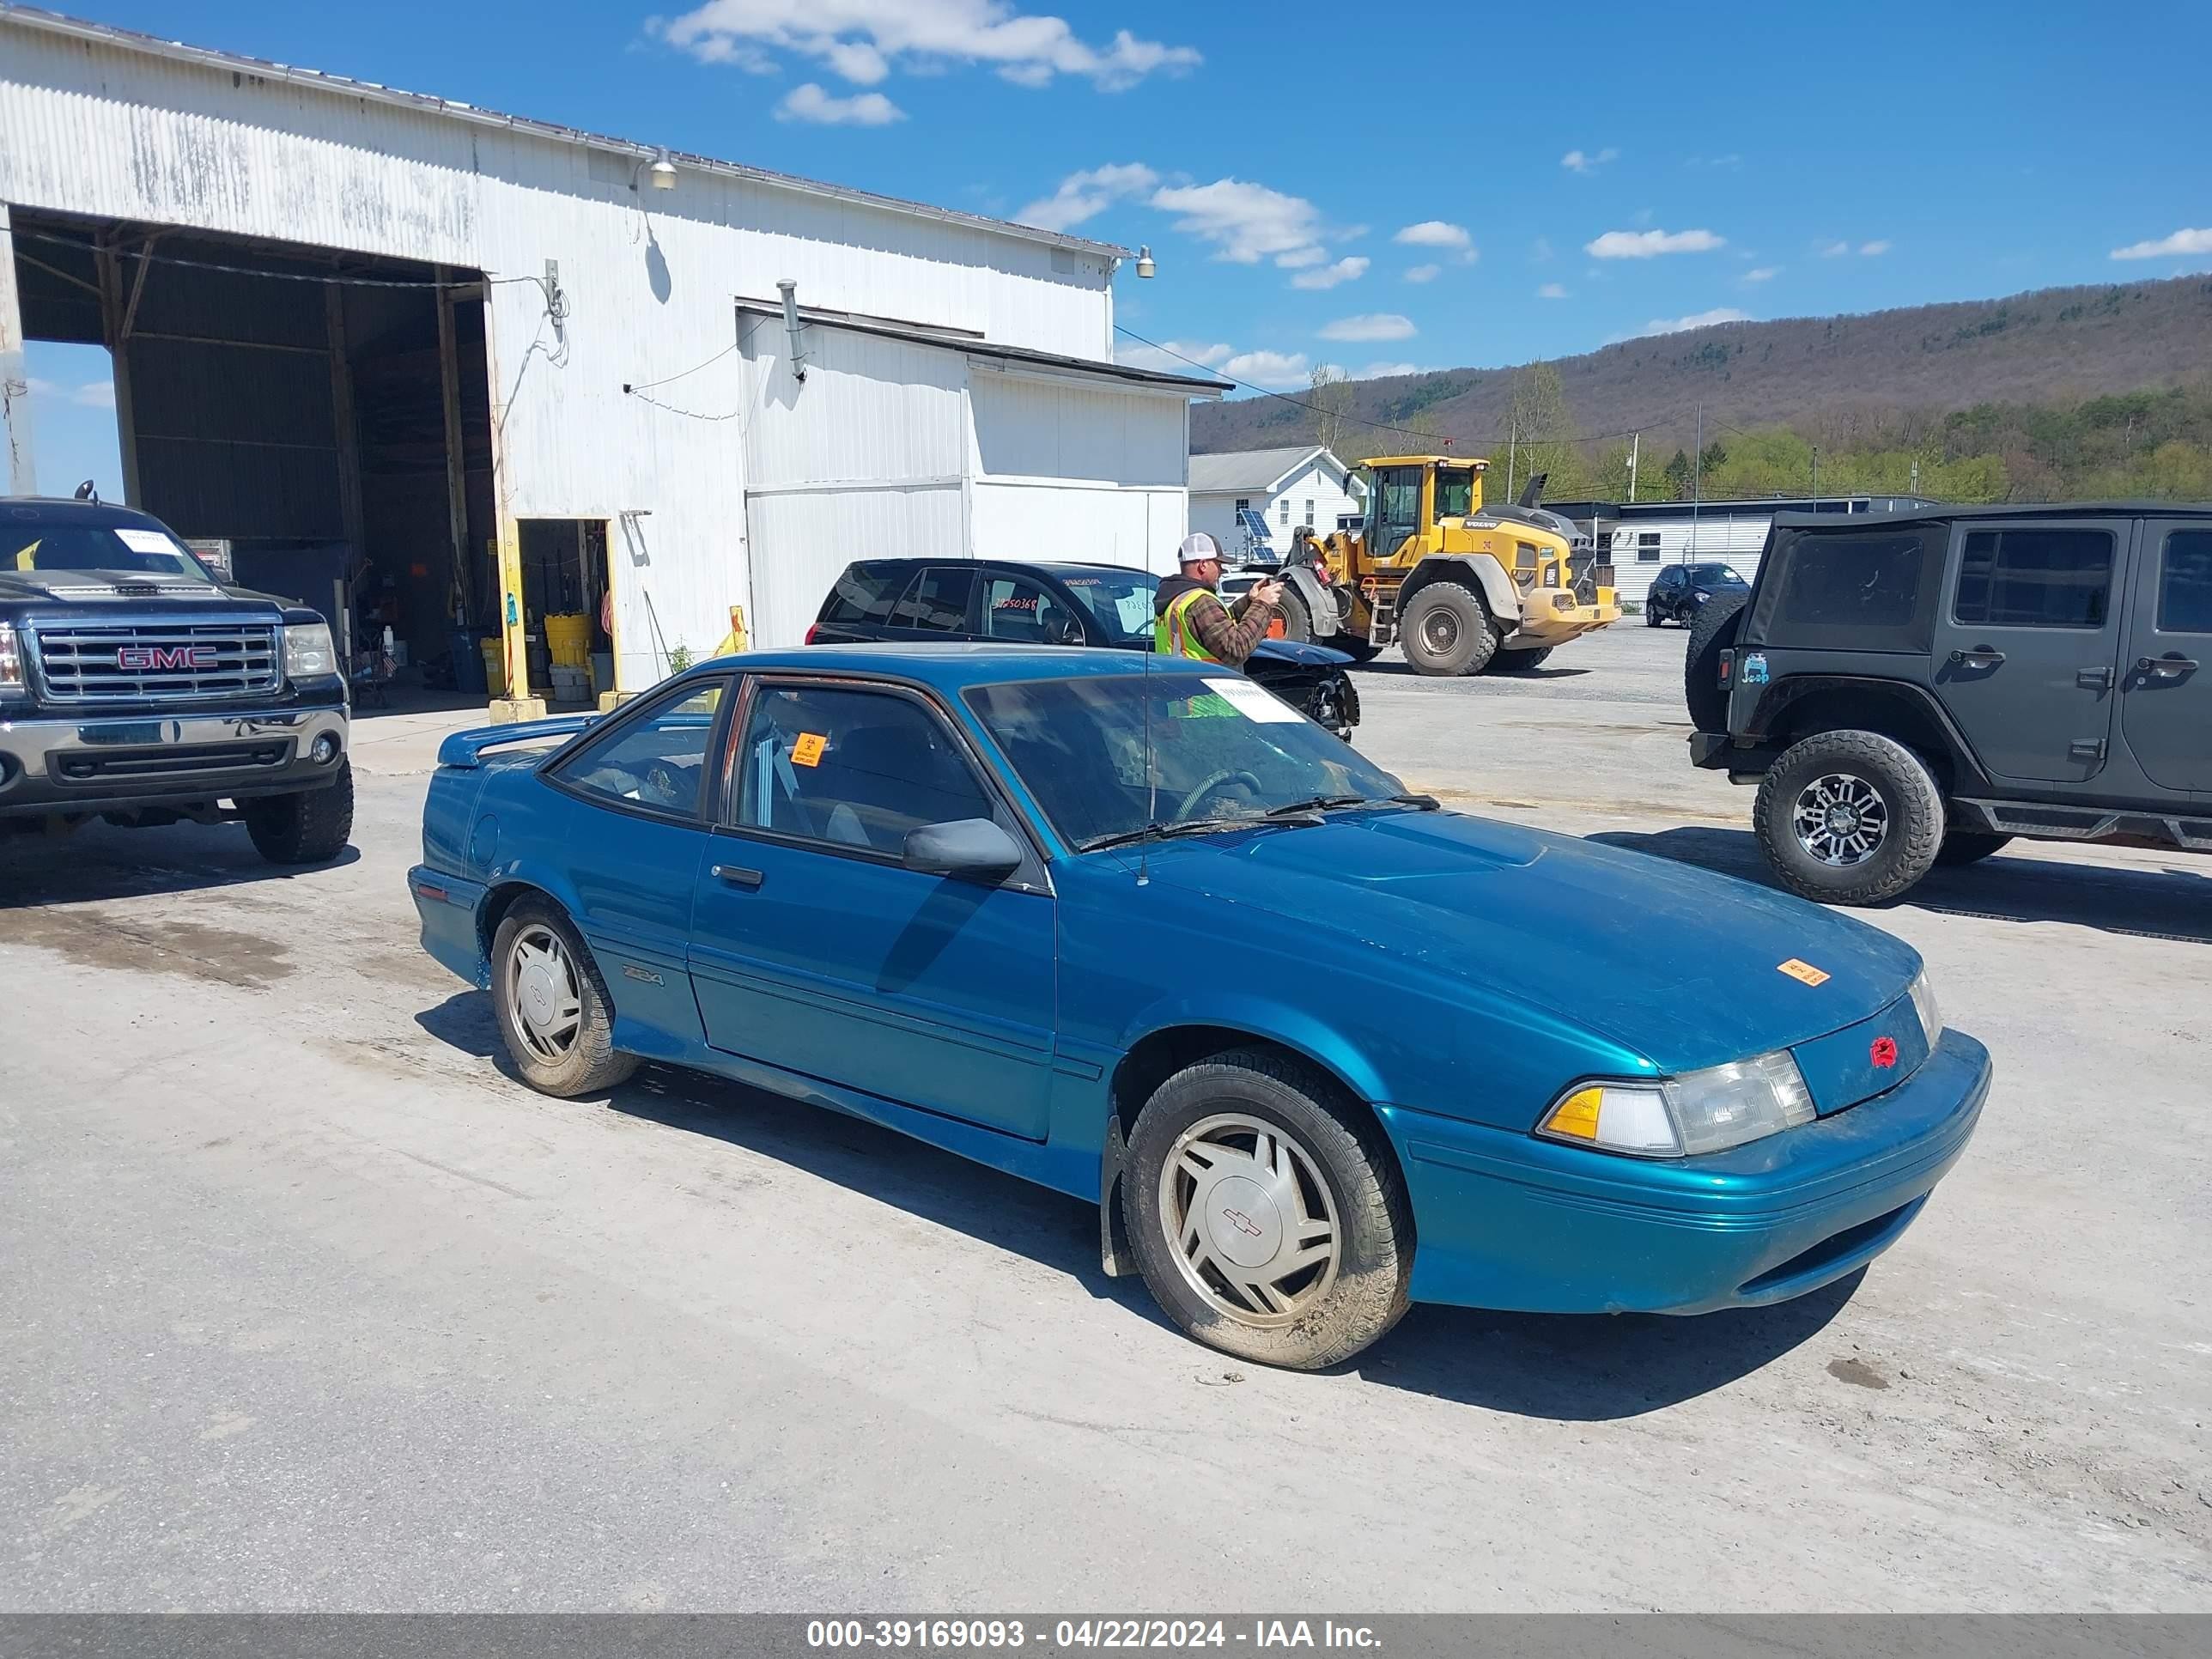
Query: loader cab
point(1408, 494)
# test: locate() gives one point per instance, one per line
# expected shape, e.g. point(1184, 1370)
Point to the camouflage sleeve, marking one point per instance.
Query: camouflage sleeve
point(1230, 633)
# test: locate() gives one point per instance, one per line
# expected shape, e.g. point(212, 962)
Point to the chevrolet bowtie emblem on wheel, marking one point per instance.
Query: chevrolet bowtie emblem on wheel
point(1243, 1223)
point(1884, 1052)
point(143, 659)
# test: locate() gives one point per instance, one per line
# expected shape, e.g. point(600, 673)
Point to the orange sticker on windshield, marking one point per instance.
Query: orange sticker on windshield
point(1804, 971)
point(807, 752)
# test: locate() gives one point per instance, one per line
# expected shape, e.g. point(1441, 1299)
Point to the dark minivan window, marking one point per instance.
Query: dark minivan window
point(1858, 581)
point(2035, 578)
point(939, 602)
point(2185, 584)
point(864, 594)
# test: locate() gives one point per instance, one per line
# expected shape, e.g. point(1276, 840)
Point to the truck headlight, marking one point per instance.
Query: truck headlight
point(1923, 1003)
point(308, 652)
point(1706, 1111)
point(11, 661)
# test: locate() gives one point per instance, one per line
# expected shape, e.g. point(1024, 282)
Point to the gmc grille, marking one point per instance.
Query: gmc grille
point(147, 662)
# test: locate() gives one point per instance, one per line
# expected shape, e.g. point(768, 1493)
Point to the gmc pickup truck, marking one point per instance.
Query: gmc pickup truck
point(137, 687)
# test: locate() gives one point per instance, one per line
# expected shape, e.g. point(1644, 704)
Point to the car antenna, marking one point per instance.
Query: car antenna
point(1151, 777)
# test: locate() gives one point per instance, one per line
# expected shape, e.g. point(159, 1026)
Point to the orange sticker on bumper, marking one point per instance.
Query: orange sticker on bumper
point(807, 752)
point(1804, 971)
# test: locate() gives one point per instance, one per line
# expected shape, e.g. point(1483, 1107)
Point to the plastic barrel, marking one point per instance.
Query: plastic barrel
point(468, 663)
point(568, 640)
point(494, 651)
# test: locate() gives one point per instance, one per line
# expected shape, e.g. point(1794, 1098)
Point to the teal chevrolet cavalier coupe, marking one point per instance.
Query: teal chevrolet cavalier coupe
point(1318, 1047)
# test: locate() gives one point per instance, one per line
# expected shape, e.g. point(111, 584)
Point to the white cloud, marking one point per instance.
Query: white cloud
point(1385, 371)
point(1247, 222)
point(41, 388)
point(1731, 162)
point(1348, 270)
point(1762, 274)
point(1575, 160)
point(866, 109)
point(1178, 356)
point(1371, 325)
point(1423, 273)
point(1835, 250)
point(2181, 244)
point(864, 40)
point(1553, 291)
point(1085, 194)
point(1434, 233)
point(95, 394)
point(1645, 244)
point(1873, 250)
point(1683, 324)
point(1274, 369)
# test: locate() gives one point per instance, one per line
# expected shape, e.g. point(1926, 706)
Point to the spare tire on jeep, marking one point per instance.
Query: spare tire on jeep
point(1712, 633)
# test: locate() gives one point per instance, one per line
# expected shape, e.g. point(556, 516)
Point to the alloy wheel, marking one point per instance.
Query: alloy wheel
point(1440, 631)
point(1840, 819)
point(1251, 1224)
point(543, 992)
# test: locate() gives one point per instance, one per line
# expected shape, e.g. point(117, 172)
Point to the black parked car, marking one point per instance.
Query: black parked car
point(1680, 590)
point(890, 600)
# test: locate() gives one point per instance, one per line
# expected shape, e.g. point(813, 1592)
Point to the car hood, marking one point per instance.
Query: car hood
point(1681, 965)
point(118, 586)
point(1297, 654)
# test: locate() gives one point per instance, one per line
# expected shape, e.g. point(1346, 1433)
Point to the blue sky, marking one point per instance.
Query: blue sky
point(1445, 189)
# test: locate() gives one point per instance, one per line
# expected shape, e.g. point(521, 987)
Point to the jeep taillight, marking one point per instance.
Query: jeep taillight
point(813, 633)
point(1728, 669)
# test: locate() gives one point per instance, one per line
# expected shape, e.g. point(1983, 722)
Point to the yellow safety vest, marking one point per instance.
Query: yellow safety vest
point(1172, 633)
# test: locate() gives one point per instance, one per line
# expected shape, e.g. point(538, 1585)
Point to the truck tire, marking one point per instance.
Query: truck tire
point(1968, 846)
point(1849, 818)
point(1714, 631)
point(310, 827)
point(1272, 1145)
point(552, 1006)
point(1297, 621)
point(1446, 631)
point(1520, 662)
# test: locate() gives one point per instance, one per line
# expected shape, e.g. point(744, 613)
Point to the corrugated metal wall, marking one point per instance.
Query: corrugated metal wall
point(1723, 538)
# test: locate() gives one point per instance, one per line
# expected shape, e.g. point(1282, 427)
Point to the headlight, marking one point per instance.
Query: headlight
point(309, 653)
point(1700, 595)
point(1706, 1111)
point(1923, 1003)
point(11, 660)
point(1564, 601)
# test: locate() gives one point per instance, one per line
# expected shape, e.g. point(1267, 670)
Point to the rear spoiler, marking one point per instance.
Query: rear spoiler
point(466, 748)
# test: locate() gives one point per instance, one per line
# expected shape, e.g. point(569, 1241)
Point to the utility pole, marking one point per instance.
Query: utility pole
point(1635, 447)
point(1512, 443)
point(1916, 476)
point(1816, 477)
point(1698, 481)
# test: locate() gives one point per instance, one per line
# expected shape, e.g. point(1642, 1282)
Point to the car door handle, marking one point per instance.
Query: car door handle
point(737, 875)
point(1980, 658)
point(2094, 679)
point(2165, 668)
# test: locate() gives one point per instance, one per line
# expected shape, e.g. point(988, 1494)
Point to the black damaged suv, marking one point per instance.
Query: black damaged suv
point(1920, 688)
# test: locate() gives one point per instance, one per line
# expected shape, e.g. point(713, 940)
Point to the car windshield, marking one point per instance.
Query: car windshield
point(1119, 601)
point(1223, 752)
point(48, 546)
point(1716, 575)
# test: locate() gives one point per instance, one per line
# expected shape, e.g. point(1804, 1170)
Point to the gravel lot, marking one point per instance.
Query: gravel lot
point(308, 1305)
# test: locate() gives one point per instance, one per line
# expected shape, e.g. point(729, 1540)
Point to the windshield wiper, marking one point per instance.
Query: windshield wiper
point(1275, 819)
point(1335, 803)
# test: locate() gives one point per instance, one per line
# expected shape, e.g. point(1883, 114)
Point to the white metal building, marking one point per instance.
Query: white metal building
point(1642, 538)
point(491, 366)
point(1304, 485)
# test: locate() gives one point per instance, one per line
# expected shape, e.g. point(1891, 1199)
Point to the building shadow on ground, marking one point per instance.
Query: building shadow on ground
point(2174, 902)
point(1567, 1368)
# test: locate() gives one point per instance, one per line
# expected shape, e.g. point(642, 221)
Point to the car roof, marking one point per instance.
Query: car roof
point(948, 667)
point(1852, 521)
point(61, 509)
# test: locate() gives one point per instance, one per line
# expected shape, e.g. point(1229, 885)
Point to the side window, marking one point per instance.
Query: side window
point(2185, 583)
point(1283, 512)
point(1400, 488)
point(1243, 503)
point(1647, 547)
point(1022, 613)
point(1309, 515)
point(939, 602)
point(2035, 578)
point(864, 594)
point(851, 768)
point(658, 761)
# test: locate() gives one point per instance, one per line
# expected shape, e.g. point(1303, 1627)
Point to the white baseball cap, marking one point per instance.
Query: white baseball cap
point(1197, 548)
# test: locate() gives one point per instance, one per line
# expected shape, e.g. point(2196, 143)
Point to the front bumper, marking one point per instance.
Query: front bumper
point(85, 763)
point(1541, 628)
point(1505, 1220)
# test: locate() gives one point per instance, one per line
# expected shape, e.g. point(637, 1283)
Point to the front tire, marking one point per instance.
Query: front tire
point(1266, 1212)
point(1521, 662)
point(1297, 621)
point(1849, 818)
point(1445, 631)
point(1651, 616)
point(310, 827)
point(553, 1007)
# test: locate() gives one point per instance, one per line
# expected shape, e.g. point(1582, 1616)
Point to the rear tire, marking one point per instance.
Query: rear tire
point(1445, 631)
point(540, 967)
point(1714, 631)
point(1297, 621)
point(1849, 818)
point(1520, 662)
point(1202, 1193)
point(310, 827)
point(1962, 847)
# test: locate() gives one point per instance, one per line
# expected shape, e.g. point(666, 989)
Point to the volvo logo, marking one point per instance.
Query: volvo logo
point(154, 658)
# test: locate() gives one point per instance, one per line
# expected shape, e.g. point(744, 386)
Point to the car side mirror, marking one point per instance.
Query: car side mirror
point(1065, 631)
point(967, 849)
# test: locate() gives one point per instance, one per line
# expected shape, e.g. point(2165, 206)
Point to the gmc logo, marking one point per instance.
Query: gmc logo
point(153, 659)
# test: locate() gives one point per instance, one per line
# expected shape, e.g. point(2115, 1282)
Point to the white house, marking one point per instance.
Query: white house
point(446, 370)
point(1641, 538)
point(1305, 485)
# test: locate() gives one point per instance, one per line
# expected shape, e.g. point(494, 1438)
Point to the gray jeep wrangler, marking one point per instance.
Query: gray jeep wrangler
point(1916, 689)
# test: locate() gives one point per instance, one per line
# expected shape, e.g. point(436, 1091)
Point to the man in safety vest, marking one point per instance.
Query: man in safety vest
point(1190, 619)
